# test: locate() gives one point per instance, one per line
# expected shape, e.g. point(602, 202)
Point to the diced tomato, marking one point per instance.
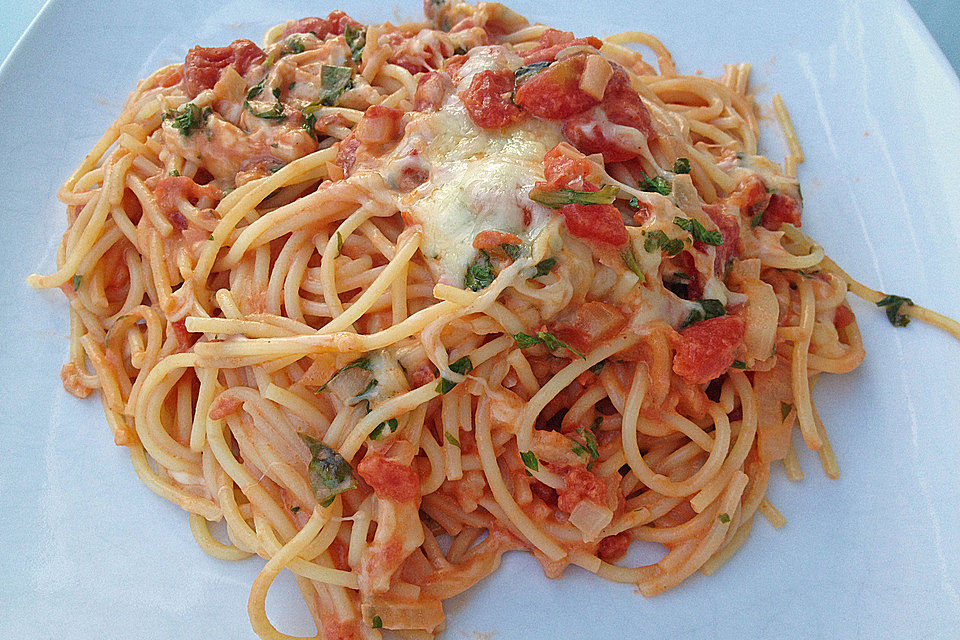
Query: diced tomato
point(730, 230)
point(782, 208)
point(389, 479)
point(347, 153)
point(593, 323)
point(613, 548)
point(579, 485)
point(621, 105)
point(452, 65)
point(554, 93)
point(334, 24)
point(203, 65)
point(553, 42)
point(843, 317)
point(223, 406)
point(597, 222)
point(707, 349)
point(488, 99)
point(750, 197)
point(379, 125)
point(566, 168)
point(491, 238)
point(432, 87)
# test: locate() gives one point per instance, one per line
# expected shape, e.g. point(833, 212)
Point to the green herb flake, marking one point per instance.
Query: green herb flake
point(658, 184)
point(562, 197)
point(463, 366)
point(706, 308)
point(589, 445)
point(544, 267)
point(699, 232)
point(76, 281)
point(630, 260)
point(294, 45)
point(724, 518)
point(527, 71)
point(451, 439)
point(597, 368)
point(256, 89)
point(294, 510)
point(211, 237)
point(893, 305)
point(188, 117)
point(479, 274)
point(530, 460)
point(739, 364)
point(659, 240)
point(757, 218)
point(174, 174)
point(330, 474)
point(376, 622)
point(365, 395)
point(389, 426)
point(633, 202)
point(785, 410)
point(360, 363)
point(273, 113)
point(513, 251)
point(334, 81)
point(356, 38)
point(552, 342)
point(310, 125)
point(339, 242)
point(681, 165)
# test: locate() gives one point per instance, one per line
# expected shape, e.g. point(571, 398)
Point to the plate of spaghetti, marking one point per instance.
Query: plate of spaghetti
point(470, 325)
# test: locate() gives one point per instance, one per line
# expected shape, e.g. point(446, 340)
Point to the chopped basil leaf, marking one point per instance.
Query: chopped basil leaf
point(757, 218)
point(294, 45)
point(339, 242)
point(512, 250)
point(596, 423)
point(460, 51)
point(893, 305)
point(451, 439)
point(630, 259)
point(563, 197)
point(330, 473)
point(334, 81)
point(544, 267)
point(698, 231)
point(463, 366)
point(530, 460)
point(588, 446)
point(375, 622)
point(364, 395)
point(551, 341)
point(389, 426)
point(479, 274)
point(174, 174)
point(256, 89)
point(681, 165)
point(294, 509)
point(310, 125)
point(211, 237)
point(739, 364)
point(724, 518)
point(597, 368)
point(356, 39)
point(360, 363)
point(76, 281)
point(273, 113)
point(785, 410)
point(188, 117)
point(658, 184)
point(660, 240)
point(633, 202)
point(527, 71)
point(706, 308)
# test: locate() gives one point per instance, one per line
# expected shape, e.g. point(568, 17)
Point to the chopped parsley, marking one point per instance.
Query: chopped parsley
point(544, 267)
point(589, 445)
point(597, 368)
point(530, 460)
point(255, 90)
point(273, 113)
point(527, 71)
point(512, 250)
point(698, 231)
point(551, 341)
point(451, 439)
point(293, 45)
point(681, 165)
point(724, 518)
point(706, 308)
point(658, 184)
point(365, 395)
point(630, 259)
point(659, 240)
point(174, 174)
point(739, 364)
point(479, 274)
point(359, 363)
point(330, 473)
point(375, 622)
point(188, 117)
point(563, 197)
point(76, 281)
point(310, 125)
point(389, 426)
point(294, 510)
point(334, 81)
point(463, 366)
point(356, 39)
point(785, 410)
point(339, 242)
point(893, 305)
point(757, 218)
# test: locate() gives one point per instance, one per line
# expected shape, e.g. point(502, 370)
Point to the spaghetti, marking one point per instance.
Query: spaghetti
point(392, 300)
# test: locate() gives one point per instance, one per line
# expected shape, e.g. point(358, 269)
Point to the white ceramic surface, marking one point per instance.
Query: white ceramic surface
point(87, 552)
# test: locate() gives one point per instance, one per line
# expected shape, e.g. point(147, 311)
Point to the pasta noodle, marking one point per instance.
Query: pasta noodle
point(392, 300)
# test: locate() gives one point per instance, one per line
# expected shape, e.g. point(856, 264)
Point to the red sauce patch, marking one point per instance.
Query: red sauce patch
point(389, 479)
point(612, 548)
point(579, 485)
point(843, 317)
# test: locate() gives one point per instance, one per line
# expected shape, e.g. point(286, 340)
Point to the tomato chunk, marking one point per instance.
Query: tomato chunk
point(389, 479)
point(593, 323)
point(750, 196)
point(707, 349)
point(782, 208)
point(614, 547)
point(579, 485)
point(552, 42)
point(554, 93)
point(488, 99)
point(597, 222)
point(203, 65)
point(566, 168)
point(730, 230)
point(621, 105)
point(334, 24)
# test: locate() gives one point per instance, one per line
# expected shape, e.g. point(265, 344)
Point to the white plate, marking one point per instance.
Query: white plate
point(87, 552)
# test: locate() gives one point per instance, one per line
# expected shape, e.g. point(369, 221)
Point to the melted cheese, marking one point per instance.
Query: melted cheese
point(479, 179)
